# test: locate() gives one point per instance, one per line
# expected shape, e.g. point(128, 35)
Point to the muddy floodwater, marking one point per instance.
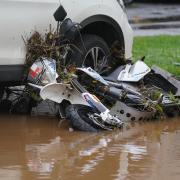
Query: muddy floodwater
point(37, 148)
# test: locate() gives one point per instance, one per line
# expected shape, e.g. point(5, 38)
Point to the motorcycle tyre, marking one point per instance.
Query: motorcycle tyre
point(78, 120)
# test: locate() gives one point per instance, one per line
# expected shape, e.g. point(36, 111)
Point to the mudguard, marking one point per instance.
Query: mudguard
point(57, 92)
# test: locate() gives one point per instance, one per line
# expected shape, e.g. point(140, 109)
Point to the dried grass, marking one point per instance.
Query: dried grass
point(39, 45)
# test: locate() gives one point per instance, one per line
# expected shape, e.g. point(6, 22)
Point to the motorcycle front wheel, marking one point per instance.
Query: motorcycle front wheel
point(79, 118)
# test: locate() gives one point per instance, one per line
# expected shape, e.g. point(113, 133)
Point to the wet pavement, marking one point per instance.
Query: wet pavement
point(154, 19)
point(39, 148)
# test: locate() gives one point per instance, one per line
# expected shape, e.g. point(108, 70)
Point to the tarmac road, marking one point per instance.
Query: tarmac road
point(154, 19)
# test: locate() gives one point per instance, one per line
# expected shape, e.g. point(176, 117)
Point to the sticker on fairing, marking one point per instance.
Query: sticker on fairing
point(94, 102)
point(34, 71)
point(88, 99)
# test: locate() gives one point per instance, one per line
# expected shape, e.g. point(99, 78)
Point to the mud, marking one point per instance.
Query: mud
point(39, 148)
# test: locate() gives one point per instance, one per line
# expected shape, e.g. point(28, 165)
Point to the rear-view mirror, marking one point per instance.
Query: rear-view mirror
point(60, 14)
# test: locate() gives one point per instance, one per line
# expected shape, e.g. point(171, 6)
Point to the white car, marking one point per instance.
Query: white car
point(102, 21)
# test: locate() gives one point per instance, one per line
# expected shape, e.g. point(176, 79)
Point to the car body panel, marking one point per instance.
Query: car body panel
point(19, 18)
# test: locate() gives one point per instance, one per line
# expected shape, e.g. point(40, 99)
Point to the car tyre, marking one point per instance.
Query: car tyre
point(92, 52)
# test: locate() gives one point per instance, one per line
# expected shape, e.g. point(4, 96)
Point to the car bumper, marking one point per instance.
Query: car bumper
point(128, 40)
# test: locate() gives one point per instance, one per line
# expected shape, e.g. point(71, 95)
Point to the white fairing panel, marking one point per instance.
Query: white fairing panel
point(18, 18)
point(58, 92)
point(134, 73)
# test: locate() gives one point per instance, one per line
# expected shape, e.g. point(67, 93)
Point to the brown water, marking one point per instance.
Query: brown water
point(36, 148)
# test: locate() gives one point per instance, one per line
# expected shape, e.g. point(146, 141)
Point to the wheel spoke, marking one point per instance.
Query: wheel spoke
point(96, 59)
point(103, 64)
point(95, 55)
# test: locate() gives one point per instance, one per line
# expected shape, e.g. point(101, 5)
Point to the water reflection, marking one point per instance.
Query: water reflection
point(41, 158)
point(36, 148)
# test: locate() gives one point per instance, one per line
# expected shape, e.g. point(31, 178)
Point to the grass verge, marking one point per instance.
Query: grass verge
point(162, 51)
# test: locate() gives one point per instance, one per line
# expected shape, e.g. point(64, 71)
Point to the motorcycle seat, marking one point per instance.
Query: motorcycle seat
point(114, 75)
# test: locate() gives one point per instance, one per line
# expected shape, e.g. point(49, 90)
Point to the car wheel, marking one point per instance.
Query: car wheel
point(92, 52)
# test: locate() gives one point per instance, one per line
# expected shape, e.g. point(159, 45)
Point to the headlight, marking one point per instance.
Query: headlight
point(120, 2)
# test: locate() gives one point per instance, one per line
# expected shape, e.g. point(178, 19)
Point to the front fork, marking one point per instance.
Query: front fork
point(96, 104)
point(92, 100)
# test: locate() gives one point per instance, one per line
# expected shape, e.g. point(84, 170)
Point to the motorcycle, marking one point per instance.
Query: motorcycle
point(129, 91)
point(90, 101)
point(83, 109)
point(72, 97)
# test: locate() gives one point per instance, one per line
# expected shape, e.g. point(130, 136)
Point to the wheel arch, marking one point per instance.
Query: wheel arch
point(105, 27)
